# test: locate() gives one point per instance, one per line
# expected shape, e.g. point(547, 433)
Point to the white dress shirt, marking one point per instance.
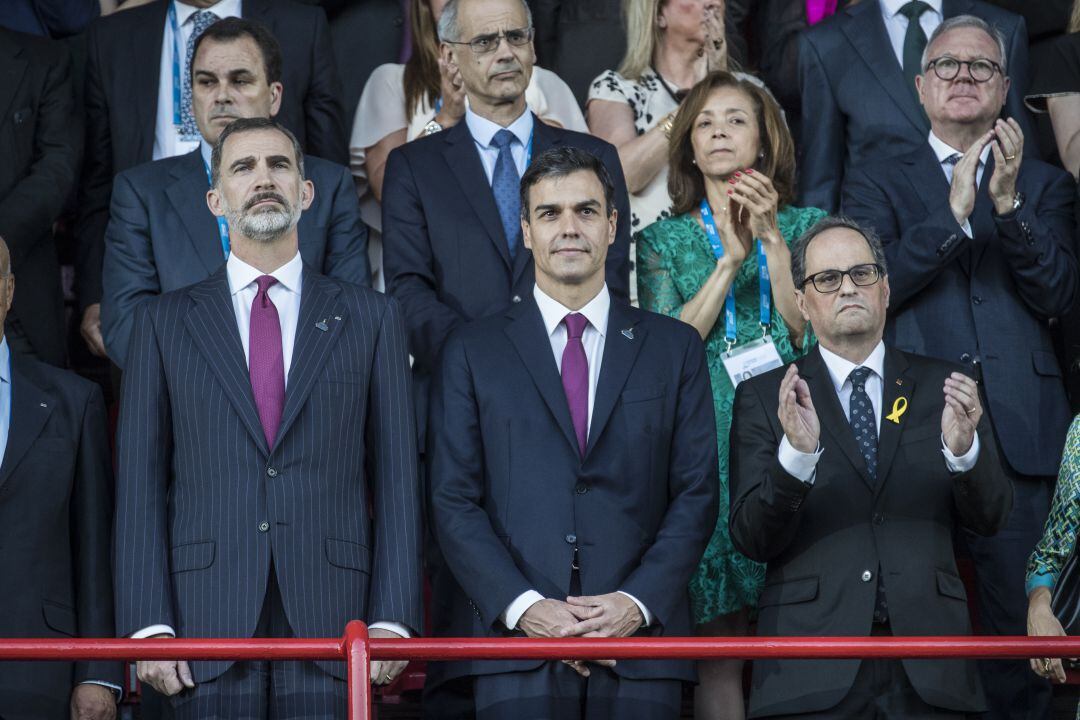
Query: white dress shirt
point(553, 312)
point(483, 132)
point(804, 465)
point(167, 142)
point(285, 294)
point(896, 24)
point(944, 151)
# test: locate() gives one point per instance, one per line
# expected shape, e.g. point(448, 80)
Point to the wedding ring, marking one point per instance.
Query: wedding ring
point(1046, 665)
point(386, 679)
point(1010, 157)
point(969, 412)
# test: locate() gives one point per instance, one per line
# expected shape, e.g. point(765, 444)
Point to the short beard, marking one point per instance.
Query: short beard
point(265, 226)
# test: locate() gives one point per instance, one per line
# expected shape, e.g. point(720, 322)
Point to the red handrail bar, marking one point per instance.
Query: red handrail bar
point(358, 650)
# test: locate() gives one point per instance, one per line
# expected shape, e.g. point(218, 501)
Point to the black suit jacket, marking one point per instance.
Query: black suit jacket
point(856, 105)
point(40, 141)
point(579, 40)
point(818, 540)
point(162, 236)
point(122, 77)
point(511, 496)
point(204, 506)
point(56, 511)
point(997, 291)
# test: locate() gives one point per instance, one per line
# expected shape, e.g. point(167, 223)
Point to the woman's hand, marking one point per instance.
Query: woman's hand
point(1042, 622)
point(758, 201)
point(453, 95)
point(715, 48)
point(735, 236)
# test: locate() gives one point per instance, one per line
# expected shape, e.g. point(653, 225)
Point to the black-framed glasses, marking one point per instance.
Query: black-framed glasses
point(829, 281)
point(947, 68)
point(483, 44)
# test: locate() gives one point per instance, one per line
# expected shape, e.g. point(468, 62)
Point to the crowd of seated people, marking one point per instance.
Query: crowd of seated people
point(604, 319)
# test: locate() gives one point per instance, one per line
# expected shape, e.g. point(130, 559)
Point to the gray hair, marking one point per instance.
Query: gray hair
point(963, 21)
point(798, 248)
point(448, 21)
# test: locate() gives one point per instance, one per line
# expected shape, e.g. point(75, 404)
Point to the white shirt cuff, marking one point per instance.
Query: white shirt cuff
point(393, 627)
point(645, 614)
point(151, 631)
point(964, 462)
point(798, 464)
point(516, 609)
point(966, 227)
point(117, 690)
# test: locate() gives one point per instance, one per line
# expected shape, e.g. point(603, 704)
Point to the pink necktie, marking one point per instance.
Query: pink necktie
point(818, 10)
point(575, 377)
point(266, 364)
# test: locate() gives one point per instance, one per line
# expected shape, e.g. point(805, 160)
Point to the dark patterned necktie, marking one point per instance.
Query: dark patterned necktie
point(199, 22)
point(864, 425)
point(505, 184)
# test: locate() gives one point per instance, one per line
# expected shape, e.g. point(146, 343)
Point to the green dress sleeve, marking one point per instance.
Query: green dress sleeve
point(657, 291)
point(1059, 537)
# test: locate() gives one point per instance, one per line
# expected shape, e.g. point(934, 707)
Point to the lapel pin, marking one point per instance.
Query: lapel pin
point(899, 381)
point(898, 408)
point(628, 333)
point(337, 317)
point(44, 405)
point(322, 325)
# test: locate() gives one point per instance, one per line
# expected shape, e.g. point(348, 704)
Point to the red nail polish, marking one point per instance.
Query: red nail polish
point(730, 192)
point(749, 171)
point(731, 181)
point(738, 174)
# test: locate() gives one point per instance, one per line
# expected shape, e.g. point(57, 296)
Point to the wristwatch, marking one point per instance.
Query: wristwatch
point(431, 128)
point(1017, 203)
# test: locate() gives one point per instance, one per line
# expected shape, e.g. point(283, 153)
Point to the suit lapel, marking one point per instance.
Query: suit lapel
point(831, 412)
point(187, 193)
point(464, 161)
point(530, 339)
point(12, 69)
point(31, 406)
point(319, 308)
point(146, 57)
point(212, 326)
point(620, 352)
point(896, 384)
point(866, 32)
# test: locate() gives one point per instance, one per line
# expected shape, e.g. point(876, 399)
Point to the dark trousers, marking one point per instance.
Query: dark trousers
point(881, 691)
point(554, 691)
point(1012, 689)
point(263, 690)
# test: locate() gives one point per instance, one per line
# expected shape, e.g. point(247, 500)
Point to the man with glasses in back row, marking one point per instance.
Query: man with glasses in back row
point(980, 244)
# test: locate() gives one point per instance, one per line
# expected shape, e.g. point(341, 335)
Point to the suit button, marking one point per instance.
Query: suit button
point(516, 299)
point(966, 357)
point(571, 539)
point(867, 576)
point(271, 472)
point(976, 299)
point(879, 518)
point(264, 526)
point(581, 488)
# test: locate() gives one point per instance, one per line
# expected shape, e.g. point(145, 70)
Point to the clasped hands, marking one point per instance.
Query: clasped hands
point(610, 615)
point(1007, 143)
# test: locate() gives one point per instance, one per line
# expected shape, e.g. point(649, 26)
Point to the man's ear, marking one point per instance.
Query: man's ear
point(213, 201)
point(307, 194)
point(526, 232)
point(800, 301)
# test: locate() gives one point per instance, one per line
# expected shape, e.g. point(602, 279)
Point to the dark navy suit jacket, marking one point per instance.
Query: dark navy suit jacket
point(856, 104)
point(511, 495)
point(162, 236)
point(204, 506)
point(986, 299)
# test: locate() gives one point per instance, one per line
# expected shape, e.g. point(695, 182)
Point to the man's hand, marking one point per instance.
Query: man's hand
point(547, 618)
point(1008, 149)
point(962, 412)
point(610, 615)
point(93, 702)
point(90, 328)
point(797, 414)
point(168, 677)
point(385, 672)
point(963, 188)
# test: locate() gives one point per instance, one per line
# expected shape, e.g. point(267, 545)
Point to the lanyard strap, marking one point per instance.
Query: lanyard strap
point(222, 223)
point(764, 282)
point(178, 121)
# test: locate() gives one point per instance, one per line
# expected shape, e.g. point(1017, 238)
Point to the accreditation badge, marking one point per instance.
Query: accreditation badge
point(750, 359)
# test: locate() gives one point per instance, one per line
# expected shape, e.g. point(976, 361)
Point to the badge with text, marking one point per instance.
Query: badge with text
point(898, 408)
point(750, 359)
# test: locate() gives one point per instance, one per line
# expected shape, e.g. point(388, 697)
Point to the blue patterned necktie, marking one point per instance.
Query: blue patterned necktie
point(199, 21)
point(505, 185)
point(864, 426)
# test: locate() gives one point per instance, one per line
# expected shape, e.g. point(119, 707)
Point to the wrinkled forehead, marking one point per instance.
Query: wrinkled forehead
point(966, 43)
point(837, 249)
point(480, 17)
point(257, 145)
point(228, 56)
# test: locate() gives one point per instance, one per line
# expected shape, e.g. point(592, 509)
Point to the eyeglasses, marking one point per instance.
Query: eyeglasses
point(483, 44)
point(829, 281)
point(947, 68)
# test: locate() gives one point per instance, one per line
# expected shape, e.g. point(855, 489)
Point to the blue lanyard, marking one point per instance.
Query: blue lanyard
point(222, 223)
point(764, 283)
point(176, 84)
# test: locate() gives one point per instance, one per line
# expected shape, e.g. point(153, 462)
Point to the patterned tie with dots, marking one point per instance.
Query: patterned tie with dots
point(199, 22)
point(864, 426)
point(505, 184)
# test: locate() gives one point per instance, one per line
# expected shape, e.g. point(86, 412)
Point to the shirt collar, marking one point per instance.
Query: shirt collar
point(944, 151)
point(241, 274)
point(206, 149)
point(5, 361)
point(553, 312)
point(223, 9)
point(840, 368)
point(483, 130)
point(889, 8)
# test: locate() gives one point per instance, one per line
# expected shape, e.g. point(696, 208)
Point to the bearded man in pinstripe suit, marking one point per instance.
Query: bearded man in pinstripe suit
point(267, 463)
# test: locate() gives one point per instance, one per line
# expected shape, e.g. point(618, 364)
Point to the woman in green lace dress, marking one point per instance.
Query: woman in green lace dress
point(731, 149)
point(1053, 550)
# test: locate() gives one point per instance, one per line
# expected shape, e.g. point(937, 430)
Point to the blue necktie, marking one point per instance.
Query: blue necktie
point(505, 185)
point(200, 21)
point(864, 426)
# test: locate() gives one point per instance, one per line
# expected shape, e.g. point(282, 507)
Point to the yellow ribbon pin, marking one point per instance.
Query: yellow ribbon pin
point(898, 408)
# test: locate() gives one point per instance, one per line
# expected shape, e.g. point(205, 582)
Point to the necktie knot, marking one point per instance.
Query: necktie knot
point(913, 10)
point(503, 138)
point(575, 324)
point(858, 377)
point(264, 282)
point(952, 159)
point(202, 20)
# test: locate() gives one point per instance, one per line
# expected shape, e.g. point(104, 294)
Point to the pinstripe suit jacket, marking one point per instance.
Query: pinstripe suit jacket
point(204, 506)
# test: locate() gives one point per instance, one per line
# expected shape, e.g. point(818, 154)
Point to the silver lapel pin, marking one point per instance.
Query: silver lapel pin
point(322, 325)
point(44, 405)
point(628, 333)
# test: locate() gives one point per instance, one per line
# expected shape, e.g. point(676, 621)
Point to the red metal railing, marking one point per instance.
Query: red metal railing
point(358, 650)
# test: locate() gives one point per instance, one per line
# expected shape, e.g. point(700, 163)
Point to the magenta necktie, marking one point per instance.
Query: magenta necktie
point(818, 10)
point(575, 377)
point(266, 363)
